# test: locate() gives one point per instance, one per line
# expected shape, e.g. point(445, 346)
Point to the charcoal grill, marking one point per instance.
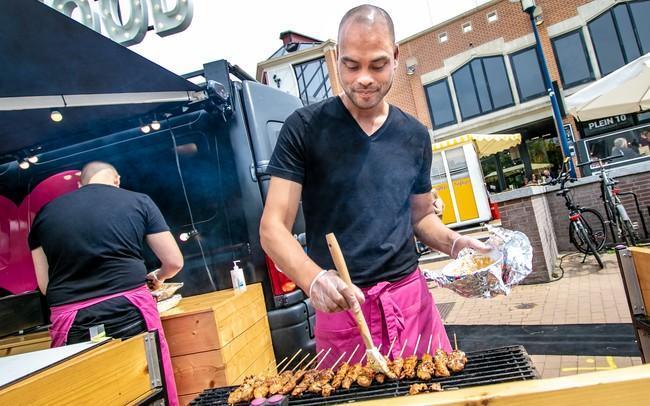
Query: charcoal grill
point(486, 367)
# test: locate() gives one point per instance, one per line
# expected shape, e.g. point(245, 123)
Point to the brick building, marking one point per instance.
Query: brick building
point(478, 73)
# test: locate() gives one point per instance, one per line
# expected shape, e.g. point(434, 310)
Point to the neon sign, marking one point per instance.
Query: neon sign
point(106, 16)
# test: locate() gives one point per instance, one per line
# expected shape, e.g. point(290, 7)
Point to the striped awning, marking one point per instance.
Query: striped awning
point(486, 144)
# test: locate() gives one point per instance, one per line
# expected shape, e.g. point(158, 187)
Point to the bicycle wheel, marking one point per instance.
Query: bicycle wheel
point(594, 226)
point(582, 233)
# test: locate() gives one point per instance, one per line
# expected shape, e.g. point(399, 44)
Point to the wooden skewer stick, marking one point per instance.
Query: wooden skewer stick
point(455, 342)
point(429, 345)
point(270, 366)
point(403, 347)
point(337, 361)
point(390, 349)
point(323, 359)
point(290, 361)
point(353, 352)
point(315, 358)
point(300, 363)
point(417, 343)
point(362, 358)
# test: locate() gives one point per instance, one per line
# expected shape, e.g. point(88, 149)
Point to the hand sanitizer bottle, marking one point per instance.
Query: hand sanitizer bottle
point(237, 276)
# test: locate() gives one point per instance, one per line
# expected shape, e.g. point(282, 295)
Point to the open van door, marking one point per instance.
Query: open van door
point(267, 109)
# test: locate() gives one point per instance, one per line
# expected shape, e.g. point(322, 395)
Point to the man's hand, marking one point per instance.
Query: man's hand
point(153, 281)
point(468, 242)
point(330, 294)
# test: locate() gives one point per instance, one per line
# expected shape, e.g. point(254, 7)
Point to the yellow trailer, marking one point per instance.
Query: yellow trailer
point(457, 175)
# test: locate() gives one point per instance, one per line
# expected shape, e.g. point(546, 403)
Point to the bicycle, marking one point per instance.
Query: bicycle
point(614, 209)
point(586, 226)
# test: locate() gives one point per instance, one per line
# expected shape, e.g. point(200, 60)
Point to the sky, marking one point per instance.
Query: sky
point(246, 32)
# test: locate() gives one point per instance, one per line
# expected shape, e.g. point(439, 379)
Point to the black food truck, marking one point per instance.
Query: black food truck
point(68, 96)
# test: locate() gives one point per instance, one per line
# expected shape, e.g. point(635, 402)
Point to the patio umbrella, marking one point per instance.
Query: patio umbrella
point(624, 91)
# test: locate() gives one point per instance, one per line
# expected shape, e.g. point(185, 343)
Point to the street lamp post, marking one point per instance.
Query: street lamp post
point(529, 8)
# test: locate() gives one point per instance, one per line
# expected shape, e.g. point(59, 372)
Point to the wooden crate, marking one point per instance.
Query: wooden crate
point(216, 338)
point(641, 257)
point(24, 343)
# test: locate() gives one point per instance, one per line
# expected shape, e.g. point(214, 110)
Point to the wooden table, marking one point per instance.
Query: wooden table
point(625, 386)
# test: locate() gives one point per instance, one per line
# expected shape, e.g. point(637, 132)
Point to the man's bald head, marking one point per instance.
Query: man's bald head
point(369, 15)
point(99, 172)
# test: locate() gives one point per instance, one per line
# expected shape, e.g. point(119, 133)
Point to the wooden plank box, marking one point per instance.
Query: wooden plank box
point(216, 338)
point(641, 257)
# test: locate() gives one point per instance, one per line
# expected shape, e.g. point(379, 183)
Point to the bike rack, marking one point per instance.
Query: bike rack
point(638, 209)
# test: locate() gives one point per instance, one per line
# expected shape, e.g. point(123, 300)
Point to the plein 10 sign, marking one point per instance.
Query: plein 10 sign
point(127, 21)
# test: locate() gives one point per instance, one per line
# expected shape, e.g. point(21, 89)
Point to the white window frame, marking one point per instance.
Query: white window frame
point(495, 18)
point(466, 27)
point(443, 37)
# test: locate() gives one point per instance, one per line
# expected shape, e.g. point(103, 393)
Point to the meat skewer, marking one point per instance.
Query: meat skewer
point(322, 384)
point(411, 362)
point(398, 363)
point(343, 370)
point(426, 368)
point(379, 377)
point(296, 378)
point(353, 373)
point(457, 359)
point(309, 377)
point(440, 361)
point(262, 387)
point(367, 374)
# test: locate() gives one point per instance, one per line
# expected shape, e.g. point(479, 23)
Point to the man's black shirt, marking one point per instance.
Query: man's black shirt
point(93, 240)
point(356, 186)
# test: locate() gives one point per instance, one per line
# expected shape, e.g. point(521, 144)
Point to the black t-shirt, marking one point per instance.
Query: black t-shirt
point(356, 186)
point(93, 239)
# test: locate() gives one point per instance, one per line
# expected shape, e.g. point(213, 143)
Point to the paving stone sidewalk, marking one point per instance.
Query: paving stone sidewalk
point(585, 294)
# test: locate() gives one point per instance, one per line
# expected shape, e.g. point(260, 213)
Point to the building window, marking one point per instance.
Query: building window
point(441, 107)
point(528, 75)
point(572, 59)
point(313, 81)
point(467, 27)
point(482, 86)
point(443, 37)
point(621, 34)
point(492, 16)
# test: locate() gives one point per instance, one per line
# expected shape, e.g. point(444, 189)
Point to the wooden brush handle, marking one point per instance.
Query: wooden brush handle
point(339, 262)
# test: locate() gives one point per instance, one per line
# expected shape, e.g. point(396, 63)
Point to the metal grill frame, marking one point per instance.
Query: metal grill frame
point(505, 364)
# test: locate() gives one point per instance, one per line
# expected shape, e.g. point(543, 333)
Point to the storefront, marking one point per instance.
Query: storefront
point(536, 157)
point(627, 135)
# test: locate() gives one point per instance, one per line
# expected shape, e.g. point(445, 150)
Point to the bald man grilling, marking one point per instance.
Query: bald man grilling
point(87, 249)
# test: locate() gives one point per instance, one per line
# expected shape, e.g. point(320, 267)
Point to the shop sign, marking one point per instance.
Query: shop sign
point(127, 21)
point(607, 124)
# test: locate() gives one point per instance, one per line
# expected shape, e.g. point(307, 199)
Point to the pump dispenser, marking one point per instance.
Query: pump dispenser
point(237, 276)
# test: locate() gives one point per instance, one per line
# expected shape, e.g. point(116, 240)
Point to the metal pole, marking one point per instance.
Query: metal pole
point(551, 93)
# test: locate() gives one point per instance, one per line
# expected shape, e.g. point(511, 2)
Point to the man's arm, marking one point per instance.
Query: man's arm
point(41, 266)
point(166, 250)
point(328, 292)
point(431, 231)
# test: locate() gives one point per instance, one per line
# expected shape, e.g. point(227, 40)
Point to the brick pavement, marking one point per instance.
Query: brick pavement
point(585, 294)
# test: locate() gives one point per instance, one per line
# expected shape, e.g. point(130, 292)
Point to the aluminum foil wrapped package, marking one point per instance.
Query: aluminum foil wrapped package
point(487, 275)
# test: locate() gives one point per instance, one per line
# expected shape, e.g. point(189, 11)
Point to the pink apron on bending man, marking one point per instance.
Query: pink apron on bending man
point(62, 318)
point(399, 310)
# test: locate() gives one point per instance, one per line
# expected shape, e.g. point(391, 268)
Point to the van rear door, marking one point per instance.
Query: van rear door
point(266, 110)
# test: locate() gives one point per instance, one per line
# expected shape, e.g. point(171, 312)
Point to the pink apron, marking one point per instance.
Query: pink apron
point(63, 316)
point(399, 310)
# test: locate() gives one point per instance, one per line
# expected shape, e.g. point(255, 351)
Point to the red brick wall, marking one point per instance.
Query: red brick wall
point(589, 196)
point(513, 23)
point(518, 215)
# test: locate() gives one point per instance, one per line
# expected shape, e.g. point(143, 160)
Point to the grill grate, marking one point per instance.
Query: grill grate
point(486, 367)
